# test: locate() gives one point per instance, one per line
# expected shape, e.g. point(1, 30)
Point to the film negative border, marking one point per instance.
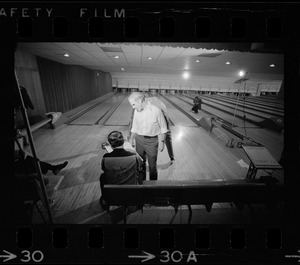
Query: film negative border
point(115, 22)
point(112, 22)
point(158, 244)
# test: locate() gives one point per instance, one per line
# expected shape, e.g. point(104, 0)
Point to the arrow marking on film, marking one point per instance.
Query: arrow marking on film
point(147, 257)
point(8, 257)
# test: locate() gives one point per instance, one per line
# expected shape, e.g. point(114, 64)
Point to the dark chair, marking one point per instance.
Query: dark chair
point(120, 171)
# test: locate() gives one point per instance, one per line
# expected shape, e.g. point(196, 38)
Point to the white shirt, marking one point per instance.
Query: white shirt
point(157, 102)
point(150, 121)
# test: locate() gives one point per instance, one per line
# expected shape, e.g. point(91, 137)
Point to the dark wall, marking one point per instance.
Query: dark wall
point(281, 91)
point(54, 86)
point(29, 77)
point(103, 83)
point(66, 87)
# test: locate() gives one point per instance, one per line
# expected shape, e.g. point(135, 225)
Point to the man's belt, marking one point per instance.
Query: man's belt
point(148, 137)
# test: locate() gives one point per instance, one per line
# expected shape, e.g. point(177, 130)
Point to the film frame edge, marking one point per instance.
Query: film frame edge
point(40, 251)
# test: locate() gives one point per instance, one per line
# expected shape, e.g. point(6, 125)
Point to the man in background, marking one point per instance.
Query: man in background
point(197, 104)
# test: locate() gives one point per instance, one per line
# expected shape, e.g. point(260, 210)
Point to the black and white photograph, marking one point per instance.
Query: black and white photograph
point(149, 133)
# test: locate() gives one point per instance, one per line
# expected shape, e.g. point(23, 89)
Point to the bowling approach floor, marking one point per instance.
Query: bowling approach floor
point(199, 155)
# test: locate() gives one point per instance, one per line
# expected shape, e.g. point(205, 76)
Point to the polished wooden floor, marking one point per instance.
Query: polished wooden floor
point(199, 155)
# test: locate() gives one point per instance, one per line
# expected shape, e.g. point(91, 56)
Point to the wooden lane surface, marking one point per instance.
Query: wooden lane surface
point(279, 103)
point(122, 115)
point(93, 115)
point(254, 116)
point(250, 105)
point(273, 141)
point(186, 104)
point(81, 147)
point(241, 106)
point(176, 116)
point(197, 156)
point(252, 101)
point(227, 116)
point(259, 100)
point(80, 110)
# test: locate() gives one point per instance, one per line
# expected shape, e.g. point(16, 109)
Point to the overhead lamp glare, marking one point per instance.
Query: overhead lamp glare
point(186, 75)
point(66, 55)
point(241, 73)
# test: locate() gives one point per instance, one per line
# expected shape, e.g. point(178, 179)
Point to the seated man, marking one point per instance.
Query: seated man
point(24, 163)
point(26, 181)
point(120, 166)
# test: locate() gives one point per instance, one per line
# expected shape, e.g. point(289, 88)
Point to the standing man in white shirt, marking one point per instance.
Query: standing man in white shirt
point(168, 138)
point(149, 130)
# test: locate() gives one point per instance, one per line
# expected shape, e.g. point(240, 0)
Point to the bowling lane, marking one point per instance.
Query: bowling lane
point(228, 117)
point(199, 157)
point(242, 106)
point(95, 114)
point(231, 110)
point(272, 140)
point(275, 110)
point(176, 116)
point(121, 116)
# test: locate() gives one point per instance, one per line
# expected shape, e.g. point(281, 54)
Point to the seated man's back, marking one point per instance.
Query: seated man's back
point(120, 167)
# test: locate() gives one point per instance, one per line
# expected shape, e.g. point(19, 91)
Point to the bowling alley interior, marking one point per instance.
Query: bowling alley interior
point(228, 165)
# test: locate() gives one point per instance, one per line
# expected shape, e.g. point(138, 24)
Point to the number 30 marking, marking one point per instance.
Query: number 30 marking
point(27, 253)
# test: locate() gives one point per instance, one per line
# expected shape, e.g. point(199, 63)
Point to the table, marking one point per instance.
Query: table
point(260, 158)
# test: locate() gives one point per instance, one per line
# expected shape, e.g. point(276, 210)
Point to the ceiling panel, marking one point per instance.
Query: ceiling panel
point(153, 51)
point(166, 60)
point(89, 46)
point(131, 48)
point(68, 46)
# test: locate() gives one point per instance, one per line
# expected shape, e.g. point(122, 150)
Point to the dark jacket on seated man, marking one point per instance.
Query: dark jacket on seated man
point(120, 166)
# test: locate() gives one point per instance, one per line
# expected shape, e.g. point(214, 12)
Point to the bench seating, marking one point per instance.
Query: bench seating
point(174, 193)
point(33, 128)
point(38, 125)
point(51, 118)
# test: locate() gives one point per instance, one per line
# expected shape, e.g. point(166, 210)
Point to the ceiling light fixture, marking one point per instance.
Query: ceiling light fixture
point(272, 65)
point(122, 69)
point(149, 58)
point(116, 57)
point(66, 55)
point(228, 62)
point(197, 61)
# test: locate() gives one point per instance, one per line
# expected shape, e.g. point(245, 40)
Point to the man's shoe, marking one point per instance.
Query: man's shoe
point(103, 204)
point(59, 167)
